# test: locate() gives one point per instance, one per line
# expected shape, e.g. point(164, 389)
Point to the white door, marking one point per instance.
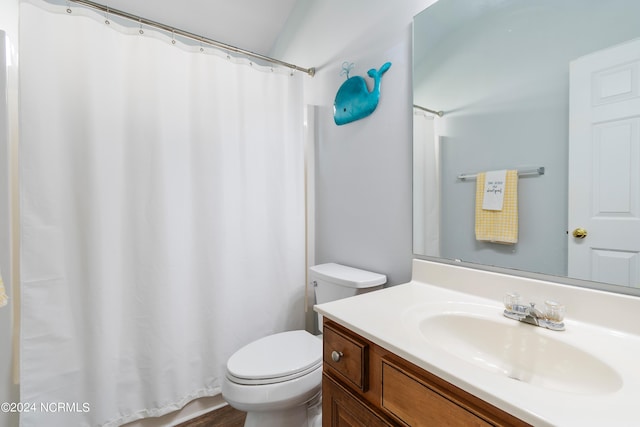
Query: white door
point(604, 166)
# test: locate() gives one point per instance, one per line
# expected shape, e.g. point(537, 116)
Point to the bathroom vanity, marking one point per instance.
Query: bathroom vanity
point(440, 351)
point(365, 385)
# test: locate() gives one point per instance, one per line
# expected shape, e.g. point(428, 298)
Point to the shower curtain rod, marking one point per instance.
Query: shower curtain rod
point(109, 11)
point(438, 113)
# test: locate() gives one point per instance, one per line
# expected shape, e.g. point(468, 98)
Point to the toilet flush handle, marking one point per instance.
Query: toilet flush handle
point(336, 355)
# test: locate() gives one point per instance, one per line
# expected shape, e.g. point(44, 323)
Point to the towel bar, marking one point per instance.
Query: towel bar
point(521, 172)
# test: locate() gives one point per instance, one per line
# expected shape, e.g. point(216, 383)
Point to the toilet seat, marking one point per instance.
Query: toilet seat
point(276, 358)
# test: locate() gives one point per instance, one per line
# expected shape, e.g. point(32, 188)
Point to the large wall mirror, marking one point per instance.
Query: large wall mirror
point(552, 89)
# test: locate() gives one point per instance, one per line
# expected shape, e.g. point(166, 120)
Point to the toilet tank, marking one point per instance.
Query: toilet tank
point(335, 281)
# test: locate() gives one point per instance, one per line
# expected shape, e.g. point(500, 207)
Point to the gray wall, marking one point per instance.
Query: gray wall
point(363, 178)
point(363, 169)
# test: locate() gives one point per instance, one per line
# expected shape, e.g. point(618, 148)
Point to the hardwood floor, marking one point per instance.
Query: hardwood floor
point(223, 417)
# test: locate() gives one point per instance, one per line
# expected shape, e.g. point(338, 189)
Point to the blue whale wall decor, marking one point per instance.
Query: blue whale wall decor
point(354, 101)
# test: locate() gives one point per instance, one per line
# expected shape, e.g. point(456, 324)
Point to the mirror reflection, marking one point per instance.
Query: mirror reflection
point(525, 85)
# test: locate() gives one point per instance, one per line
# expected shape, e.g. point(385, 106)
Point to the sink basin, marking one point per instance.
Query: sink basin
point(516, 350)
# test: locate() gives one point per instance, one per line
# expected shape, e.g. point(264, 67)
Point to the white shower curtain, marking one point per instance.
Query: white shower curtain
point(162, 216)
point(426, 184)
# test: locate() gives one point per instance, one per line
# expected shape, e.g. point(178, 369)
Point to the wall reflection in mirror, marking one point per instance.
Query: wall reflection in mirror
point(526, 84)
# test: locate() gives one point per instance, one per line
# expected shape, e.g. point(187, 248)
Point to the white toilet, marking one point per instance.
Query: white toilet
point(277, 379)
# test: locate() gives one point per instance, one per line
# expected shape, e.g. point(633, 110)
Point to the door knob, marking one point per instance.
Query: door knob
point(579, 233)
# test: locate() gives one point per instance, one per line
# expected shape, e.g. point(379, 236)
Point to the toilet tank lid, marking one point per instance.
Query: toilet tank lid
point(347, 276)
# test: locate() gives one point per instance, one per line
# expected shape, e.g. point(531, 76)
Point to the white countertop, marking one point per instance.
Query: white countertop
point(596, 322)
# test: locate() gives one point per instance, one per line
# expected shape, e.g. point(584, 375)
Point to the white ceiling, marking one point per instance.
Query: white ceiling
point(252, 25)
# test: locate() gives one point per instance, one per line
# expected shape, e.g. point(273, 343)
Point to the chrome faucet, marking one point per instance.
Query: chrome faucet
point(551, 318)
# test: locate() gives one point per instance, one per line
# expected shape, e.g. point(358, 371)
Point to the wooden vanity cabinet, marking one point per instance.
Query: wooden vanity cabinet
point(365, 385)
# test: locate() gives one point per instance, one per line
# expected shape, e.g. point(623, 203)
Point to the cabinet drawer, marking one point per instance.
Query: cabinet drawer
point(415, 404)
point(346, 355)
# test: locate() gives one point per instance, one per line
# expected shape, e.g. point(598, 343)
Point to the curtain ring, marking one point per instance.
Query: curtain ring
point(141, 31)
point(106, 17)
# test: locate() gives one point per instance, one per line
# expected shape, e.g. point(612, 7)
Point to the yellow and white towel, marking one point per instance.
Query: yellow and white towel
point(3, 293)
point(498, 226)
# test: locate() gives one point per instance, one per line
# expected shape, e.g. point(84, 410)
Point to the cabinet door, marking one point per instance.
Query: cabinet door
point(340, 409)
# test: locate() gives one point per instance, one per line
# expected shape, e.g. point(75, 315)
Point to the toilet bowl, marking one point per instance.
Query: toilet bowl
point(277, 379)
